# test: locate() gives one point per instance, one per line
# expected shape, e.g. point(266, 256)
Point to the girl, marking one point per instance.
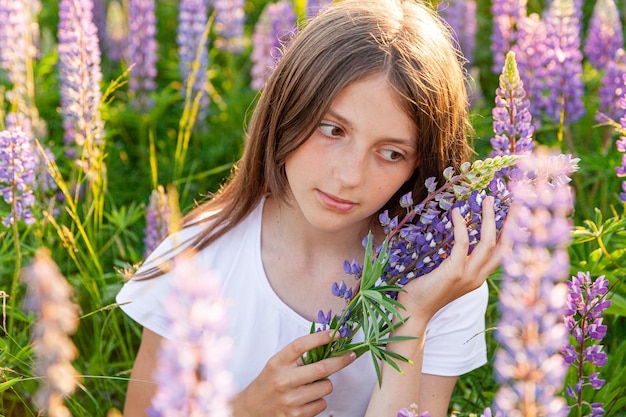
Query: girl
point(368, 101)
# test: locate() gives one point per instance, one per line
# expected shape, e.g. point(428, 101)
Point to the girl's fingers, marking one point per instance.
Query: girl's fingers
point(317, 371)
point(294, 350)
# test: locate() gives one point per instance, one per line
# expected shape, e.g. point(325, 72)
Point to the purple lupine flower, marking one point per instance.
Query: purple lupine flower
point(313, 7)
point(157, 220)
point(80, 76)
point(15, 36)
point(506, 14)
point(19, 37)
point(275, 27)
point(44, 183)
point(564, 84)
point(142, 51)
point(421, 241)
point(49, 296)
point(512, 121)
point(193, 54)
point(116, 32)
point(604, 35)
point(190, 372)
point(412, 412)
point(586, 303)
point(229, 24)
point(528, 364)
point(17, 175)
point(530, 54)
point(621, 146)
point(612, 88)
point(461, 16)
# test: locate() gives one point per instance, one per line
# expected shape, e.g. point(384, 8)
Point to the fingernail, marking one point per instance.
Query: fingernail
point(352, 356)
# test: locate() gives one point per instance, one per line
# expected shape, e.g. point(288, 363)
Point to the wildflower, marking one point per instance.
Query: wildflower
point(586, 302)
point(528, 364)
point(621, 147)
point(17, 179)
point(157, 220)
point(275, 26)
point(19, 37)
point(80, 76)
point(530, 54)
point(612, 88)
point(17, 47)
point(192, 22)
point(142, 51)
point(604, 35)
point(49, 296)
point(190, 371)
point(412, 412)
point(511, 116)
point(313, 7)
point(229, 21)
point(506, 14)
point(461, 16)
point(563, 81)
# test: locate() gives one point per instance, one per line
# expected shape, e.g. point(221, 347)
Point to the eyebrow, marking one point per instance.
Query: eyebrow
point(412, 142)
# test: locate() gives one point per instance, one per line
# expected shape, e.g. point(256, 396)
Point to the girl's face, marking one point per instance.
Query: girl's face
point(359, 156)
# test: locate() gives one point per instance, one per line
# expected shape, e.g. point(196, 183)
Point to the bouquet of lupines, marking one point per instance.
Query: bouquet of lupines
point(414, 246)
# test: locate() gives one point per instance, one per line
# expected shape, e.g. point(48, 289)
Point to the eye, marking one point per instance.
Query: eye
point(392, 155)
point(330, 130)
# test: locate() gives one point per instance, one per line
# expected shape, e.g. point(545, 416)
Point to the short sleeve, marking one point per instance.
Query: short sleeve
point(455, 337)
point(143, 299)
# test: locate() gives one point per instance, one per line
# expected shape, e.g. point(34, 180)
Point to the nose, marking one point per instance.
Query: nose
point(350, 169)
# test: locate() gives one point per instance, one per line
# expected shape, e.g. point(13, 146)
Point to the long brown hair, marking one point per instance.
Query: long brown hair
point(352, 39)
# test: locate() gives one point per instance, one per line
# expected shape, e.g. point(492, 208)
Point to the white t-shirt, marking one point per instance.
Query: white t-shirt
point(261, 324)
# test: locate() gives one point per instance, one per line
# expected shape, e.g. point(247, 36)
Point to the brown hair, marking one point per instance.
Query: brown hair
point(350, 40)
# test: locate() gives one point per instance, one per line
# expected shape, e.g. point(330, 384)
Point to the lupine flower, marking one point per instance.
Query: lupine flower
point(421, 241)
point(229, 24)
point(412, 412)
point(586, 302)
point(192, 23)
point(531, 302)
point(190, 372)
point(488, 413)
point(512, 121)
point(564, 67)
point(49, 296)
point(275, 26)
point(157, 220)
point(461, 16)
point(15, 37)
point(506, 14)
point(530, 55)
point(621, 147)
point(604, 35)
point(17, 176)
point(142, 51)
point(80, 76)
point(43, 184)
point(612, 88)
point(19, 37)
point(313, 7)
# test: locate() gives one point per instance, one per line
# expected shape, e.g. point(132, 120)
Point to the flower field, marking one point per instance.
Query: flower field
point(118, 116)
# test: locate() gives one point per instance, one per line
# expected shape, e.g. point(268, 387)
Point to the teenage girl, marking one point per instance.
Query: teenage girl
point(368, 101)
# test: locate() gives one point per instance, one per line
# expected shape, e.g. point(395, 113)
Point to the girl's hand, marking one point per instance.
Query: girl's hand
point(460, 273)
point(287, 388)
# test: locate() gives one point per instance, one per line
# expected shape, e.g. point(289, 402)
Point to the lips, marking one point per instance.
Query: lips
point(335, 203)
